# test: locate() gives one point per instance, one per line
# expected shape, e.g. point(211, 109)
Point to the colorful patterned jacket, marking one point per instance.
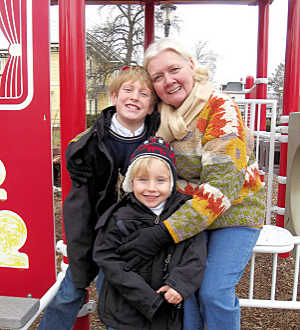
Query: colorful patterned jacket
point(217, 167)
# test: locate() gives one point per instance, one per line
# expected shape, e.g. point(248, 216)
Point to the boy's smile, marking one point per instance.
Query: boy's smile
point(132, 103)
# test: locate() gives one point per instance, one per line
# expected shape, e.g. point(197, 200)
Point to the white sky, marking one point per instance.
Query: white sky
point(231, 31)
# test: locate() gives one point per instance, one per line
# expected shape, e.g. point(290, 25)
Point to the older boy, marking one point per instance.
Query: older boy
point(95, 159)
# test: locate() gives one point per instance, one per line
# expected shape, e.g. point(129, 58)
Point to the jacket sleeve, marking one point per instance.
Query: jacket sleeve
point(228, 174)
point(79, 229)
point(79, 211)
point(186, 275)
point(129, 284)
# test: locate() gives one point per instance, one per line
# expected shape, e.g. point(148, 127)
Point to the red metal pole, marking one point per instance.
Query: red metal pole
point(262, 57)
point(291, 89)
point(149, 23)
point(72, 77)
point(72, 88)
point(248, 84)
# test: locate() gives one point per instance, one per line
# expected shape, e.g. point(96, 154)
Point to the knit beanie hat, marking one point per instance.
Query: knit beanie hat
point(155, 147)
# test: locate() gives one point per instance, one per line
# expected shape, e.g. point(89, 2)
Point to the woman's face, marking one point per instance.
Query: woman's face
point(172, 77)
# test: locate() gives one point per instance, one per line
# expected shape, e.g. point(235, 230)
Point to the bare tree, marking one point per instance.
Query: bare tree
point(121, 30)
point(276, 82)
point(117, 40)
point(277, 79)
point(206, 56)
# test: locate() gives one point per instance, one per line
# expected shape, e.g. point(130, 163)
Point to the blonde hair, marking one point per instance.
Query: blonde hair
point(201, 72)
point(165, 44)
point(142, 166)
point(132, 73)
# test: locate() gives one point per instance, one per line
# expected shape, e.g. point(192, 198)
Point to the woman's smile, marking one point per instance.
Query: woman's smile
point(172, 77)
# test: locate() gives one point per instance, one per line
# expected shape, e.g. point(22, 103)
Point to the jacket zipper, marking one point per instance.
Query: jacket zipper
point(157, 220)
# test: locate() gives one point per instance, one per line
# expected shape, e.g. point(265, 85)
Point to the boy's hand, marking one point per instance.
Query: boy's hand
point(171, 295)
point(143, 244)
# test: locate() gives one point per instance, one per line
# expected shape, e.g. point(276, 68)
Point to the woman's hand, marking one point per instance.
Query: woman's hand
point(171, 295)
point(143, 244)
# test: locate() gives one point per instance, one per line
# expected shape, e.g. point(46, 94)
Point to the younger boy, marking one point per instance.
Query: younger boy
point(150, 297)
point(94, 160)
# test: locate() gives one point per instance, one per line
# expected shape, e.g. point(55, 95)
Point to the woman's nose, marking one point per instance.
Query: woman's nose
point(168, 79)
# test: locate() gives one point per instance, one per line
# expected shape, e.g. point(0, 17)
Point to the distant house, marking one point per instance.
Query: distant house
point(101, 63)
point(235, 89)
point(54, 85)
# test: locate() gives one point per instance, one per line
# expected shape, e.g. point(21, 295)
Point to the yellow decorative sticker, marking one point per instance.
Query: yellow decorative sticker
point(13, 234)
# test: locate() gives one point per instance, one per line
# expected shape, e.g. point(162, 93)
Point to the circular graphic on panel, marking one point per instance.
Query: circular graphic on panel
point(2, 172)
point(13, 235)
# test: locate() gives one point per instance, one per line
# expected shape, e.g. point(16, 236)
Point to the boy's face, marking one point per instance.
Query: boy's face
point(133, 103)
point(152, 187)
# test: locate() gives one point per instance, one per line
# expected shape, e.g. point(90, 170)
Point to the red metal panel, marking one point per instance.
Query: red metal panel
point(291, 89)
point(27, 249)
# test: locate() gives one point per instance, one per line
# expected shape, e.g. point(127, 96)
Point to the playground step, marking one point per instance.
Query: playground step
point(15, 312)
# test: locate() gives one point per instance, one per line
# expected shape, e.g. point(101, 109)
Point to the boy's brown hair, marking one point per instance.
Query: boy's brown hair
point(132, 73)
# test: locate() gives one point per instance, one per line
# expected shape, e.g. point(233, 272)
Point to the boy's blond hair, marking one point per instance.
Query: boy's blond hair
point(132, 73)
point(142, 166)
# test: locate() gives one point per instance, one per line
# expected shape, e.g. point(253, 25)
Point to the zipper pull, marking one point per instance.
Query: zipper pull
point(156, 221)
point(168, 259)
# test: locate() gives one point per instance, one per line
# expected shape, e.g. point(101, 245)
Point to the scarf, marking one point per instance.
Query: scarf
point(175, 122)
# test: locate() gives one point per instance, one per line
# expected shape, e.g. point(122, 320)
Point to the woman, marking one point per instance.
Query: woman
point(215, 165)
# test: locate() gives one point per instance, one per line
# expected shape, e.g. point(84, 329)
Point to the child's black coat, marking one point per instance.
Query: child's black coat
point(128, 300)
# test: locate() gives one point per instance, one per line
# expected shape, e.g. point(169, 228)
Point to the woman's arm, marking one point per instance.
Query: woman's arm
point(229, 176)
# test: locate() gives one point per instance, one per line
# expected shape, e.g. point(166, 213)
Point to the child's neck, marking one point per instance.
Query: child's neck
point(126, 131)
point(159, 208)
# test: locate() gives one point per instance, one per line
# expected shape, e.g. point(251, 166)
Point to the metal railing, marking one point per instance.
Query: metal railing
point(273, 240)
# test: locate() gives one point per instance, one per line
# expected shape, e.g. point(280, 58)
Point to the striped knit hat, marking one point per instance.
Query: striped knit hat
point(155, 147)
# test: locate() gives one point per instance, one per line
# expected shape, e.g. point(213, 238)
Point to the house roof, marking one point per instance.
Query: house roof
point(233, 86)
point(102, 49)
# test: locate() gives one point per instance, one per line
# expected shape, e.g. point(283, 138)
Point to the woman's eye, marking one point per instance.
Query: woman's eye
point(175, 69)
point(157, 78)
point(144, 94)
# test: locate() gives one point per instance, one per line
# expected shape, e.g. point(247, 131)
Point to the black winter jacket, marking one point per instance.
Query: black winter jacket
point(128, 299)
point(85, 202)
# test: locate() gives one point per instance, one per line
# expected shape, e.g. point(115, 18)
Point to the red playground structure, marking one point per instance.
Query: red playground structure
point(27, 233)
